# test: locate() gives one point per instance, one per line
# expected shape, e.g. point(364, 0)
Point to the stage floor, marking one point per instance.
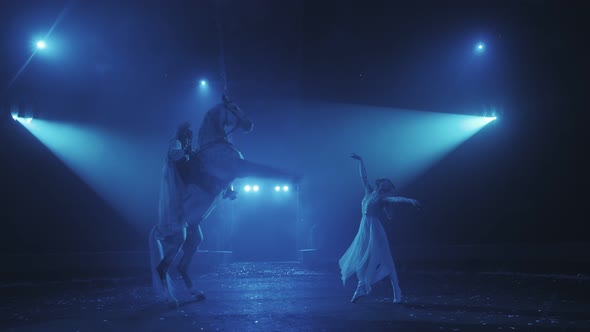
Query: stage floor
point(291, 297)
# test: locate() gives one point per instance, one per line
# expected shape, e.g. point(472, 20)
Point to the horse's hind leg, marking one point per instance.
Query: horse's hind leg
point(171, 246)
point(194, 237)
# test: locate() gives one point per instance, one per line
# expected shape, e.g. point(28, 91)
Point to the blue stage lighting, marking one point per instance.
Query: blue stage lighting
point(256, 188)
point(203, 83)
point(247, 188)
point(285, 188)
point(41, 44)
point(480, 48)
point(277, 188)
point(29, 120)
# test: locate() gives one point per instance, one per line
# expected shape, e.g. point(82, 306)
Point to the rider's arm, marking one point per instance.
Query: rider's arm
point(175, 151)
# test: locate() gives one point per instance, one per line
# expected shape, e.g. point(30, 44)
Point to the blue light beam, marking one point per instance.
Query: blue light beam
point(399, 144)
point(112, 165)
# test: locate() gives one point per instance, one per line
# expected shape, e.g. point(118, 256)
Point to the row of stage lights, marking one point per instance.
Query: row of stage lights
point(256, 188)
point(479, 48)
point(41, 45)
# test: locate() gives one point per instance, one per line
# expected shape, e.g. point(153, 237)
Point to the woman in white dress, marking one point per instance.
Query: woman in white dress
point(369, 254)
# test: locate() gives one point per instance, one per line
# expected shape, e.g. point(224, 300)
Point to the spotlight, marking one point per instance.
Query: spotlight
point(285, 188)
point(14, 112)
point(41, 44)
point(203, 83)
point(480, 48)
point(247, 188)
point(255, 188)
point(277, 188)
point(29, 120)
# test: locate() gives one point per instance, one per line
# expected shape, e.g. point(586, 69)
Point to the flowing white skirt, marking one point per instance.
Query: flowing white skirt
point(369, 254)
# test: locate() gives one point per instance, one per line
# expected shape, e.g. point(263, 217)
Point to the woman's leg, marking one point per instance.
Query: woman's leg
point(397, 292)
point(361, 289)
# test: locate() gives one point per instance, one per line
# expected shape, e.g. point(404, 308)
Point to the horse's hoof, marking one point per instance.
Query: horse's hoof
point(198, 295)
point(231, 195)
point(173, 304)
point(357, 295)
point(397, 296)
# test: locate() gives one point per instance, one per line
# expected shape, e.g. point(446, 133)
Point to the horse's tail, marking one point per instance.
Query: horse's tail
point(156, 256)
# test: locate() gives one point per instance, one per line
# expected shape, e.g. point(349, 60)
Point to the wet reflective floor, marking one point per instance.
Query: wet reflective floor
point(291, 297)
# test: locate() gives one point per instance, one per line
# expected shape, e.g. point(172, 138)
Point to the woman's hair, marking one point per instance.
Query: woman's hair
point(184, 130)
point(378, 181)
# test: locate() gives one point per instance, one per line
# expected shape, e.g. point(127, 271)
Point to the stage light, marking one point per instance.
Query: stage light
point(41, 44)
point(285, 188)
point(277, 188)
point(14, 112)
point(203, 83)
point(480, 48)
point(256, 188)
point(247, 188)
point(29, 120)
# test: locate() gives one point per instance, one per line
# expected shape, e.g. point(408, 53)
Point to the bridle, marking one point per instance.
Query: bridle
point(230, 106)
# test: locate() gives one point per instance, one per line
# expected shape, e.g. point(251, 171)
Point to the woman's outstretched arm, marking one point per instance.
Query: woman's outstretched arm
point(363, 172)
point(402, 200)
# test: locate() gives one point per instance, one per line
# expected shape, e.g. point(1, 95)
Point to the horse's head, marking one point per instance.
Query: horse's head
point(236, 117)
point(221, 121)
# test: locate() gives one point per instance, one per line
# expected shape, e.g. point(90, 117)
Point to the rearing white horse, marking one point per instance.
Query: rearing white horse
point(193, 184)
